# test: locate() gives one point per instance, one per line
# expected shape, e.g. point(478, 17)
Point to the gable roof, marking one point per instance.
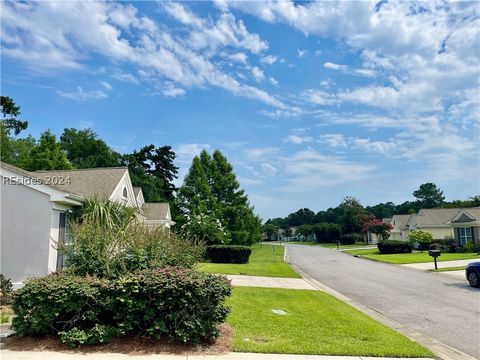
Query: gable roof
point(99, 182)
point(156, 211)
point(435, 217)
point(467, 215)
point(400, 221)
point(56, 193)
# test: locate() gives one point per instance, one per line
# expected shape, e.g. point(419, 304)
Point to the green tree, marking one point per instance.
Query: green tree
point(352, 215)
point(10, 111)
point(302, 216)
point(270, 230)
point(211, 188)
point(152, 168)
point(47, 154)
point(305, 230)
point(85, 150)
point(429, 195)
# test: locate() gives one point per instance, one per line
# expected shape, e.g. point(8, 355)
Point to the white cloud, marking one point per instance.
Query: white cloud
point(259, 153)
point(269, 169)
point(319, 97)
point(179, 12)
point(258, 74)
point(81, 95)
point(227, 31)
point(63, 35)
point(309, 170)
point(334, 140)
point(380, 147)
point(346, 69)
point(106, 85)
point(273, 81)
point(297, 139)
point(302, 53)
point(333, 66)
point(120, 76)
point(186, 152)
point(239, 57)
point(269, 59)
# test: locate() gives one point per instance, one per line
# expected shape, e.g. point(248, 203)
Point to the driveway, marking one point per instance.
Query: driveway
point(442, 307)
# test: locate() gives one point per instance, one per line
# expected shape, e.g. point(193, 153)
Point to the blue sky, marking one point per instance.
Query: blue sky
point(310, 101)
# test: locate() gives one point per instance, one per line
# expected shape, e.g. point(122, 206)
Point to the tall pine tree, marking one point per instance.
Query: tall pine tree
point(211, 187)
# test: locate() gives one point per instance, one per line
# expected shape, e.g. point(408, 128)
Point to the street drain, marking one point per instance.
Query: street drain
point(279, 312)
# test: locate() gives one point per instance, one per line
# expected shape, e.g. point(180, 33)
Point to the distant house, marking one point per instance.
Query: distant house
point(463, 225)
point(400, 229)
point(434, 221)
point(36, 206)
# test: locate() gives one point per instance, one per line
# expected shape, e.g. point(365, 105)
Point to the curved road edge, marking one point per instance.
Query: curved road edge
point(441, 350)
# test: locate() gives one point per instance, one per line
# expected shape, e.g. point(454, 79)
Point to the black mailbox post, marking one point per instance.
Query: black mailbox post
point(434, 254)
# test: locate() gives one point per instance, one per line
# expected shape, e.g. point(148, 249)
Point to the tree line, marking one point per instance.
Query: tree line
point(209, 205)
point(351, 217)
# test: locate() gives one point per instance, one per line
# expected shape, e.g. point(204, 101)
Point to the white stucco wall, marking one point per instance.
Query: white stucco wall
point(25, 232)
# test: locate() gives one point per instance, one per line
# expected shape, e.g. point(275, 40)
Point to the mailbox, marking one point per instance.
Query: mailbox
point(434, 253)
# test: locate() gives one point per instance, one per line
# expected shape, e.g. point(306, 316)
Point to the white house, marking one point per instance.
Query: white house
point(461, 224)
point(35, 207)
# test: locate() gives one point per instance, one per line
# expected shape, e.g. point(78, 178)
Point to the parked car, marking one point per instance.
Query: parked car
point(472, 271)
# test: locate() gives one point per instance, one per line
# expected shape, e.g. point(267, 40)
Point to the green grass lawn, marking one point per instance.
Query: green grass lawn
point(315, 323)
point(266, 260)
point(326, 245)
point(453, 268)
point(415, 257)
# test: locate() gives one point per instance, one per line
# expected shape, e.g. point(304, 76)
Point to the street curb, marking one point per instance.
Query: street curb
point(441, 350)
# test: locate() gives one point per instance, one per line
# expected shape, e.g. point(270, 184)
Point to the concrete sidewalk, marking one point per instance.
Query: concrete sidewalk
point(270, 282)
point(50, 355)
point(440, 264)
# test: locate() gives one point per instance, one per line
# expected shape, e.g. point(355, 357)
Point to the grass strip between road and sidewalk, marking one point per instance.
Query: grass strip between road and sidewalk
point(314, 323)
point(266, 260)
point(410, 258)
point(326, 245)
point(453, 268)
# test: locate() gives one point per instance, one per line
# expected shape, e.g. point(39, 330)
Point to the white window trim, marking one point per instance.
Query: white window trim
point(465, 235)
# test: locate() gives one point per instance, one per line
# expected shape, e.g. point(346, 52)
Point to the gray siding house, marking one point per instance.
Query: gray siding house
point(35, 210)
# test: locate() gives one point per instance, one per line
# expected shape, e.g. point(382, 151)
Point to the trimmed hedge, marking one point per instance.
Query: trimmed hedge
point(350, 239)
point(229, 254)
point(394, 247)
point(181, 304)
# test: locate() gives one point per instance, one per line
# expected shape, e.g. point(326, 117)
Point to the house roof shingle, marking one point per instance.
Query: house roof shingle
point(99, 182)
point(435, 216)
point(400, 221)
point(156, 211)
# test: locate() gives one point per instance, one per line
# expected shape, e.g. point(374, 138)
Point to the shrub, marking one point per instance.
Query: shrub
point(421, 239)
point(350, 239)
point(394, 247)
point(231, 254)
point(181, 304)
point(5, 290)
point(327, 232)
point(108, 251)
point(469, 247)
point(206, 227)
point(447, 245)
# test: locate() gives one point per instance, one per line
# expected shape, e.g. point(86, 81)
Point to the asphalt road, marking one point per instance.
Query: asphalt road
point(439, 306)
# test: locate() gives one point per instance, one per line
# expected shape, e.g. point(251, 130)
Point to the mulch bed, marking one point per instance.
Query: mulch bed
point(135, 345)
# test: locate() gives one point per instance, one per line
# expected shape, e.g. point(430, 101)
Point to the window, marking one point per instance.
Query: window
point(125, 193)
point(465, 235)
